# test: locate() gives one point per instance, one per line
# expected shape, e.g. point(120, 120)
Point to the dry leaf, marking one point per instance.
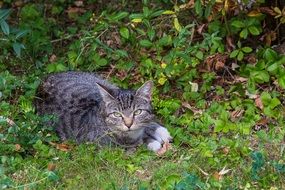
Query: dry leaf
point(254, 13)
point(200, 28)
point(236, 114)
point(61, 146)
point(217, 176)
point(258, 102)
point(194, 110)
point(230, 43)
point(17, 147)
point(219, 65)
point(51, 166)
point(263, 121)
point(78, 3)
point(267, 10)
point(165, 147)
point(240, 79)
point(226, 150)
point(72, 10)
point(203, 172)
point(52, 58)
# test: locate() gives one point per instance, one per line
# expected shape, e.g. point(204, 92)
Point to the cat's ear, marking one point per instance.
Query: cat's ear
point(145, 90)
point(105, 94)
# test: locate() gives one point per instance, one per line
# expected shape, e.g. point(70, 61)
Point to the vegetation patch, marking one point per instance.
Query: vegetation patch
point(219, 75)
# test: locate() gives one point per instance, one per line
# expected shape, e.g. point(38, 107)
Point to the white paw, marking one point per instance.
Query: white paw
point(162, 135)
point(154, 146)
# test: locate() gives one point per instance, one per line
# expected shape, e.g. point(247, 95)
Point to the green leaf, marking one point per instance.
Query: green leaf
point(5, 27)
point(244, 33)
point(156, 13)
point(270, 55)
point(21, 34)
point(238, 24)
point(151, 33)
point(125, 32)
point(273, 67)
point(102, 62)
point(265, 98)
point(4, 13)
point(200, 55)
point(260, 76)
point(198, 7)
point(274, 102)
point(146, 11)
point(52, 176)
point(17, 47)
point(136, 16)
point(234, 53)
point(281, 81)
point(145, 43)
point(120, 16)
point(177, 25)
point(254, 30)
point(246, 49)
point(240, 56)
point(165, 41)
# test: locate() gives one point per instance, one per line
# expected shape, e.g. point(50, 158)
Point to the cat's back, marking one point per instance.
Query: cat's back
point(68, 89)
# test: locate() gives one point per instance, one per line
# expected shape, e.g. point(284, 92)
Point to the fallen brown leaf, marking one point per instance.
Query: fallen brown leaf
point(258, 102)
point(226, 150)
point(217, 176)
point(165, 147)
point(51, 166)
point(52, 58)
point(61, 146)
point(17, 147)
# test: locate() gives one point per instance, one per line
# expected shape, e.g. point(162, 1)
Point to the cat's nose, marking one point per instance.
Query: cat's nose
point(128, 122)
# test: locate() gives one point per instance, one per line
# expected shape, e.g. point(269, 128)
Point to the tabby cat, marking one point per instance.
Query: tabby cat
point(89, 108)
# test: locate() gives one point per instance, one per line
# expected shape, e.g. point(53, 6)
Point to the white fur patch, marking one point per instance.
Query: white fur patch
point(154, 146)
point(161, 134)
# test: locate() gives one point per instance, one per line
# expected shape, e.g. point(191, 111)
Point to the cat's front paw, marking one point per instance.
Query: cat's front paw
point(154, 146)
point(162, 135)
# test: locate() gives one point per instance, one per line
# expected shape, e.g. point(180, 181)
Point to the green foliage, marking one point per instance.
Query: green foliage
point(11, 36)
point(215, 81)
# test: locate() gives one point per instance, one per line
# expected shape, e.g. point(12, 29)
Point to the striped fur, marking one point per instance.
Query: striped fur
point(88, 108)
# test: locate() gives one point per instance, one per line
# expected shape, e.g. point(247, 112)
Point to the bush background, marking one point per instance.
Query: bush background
point(218, 68)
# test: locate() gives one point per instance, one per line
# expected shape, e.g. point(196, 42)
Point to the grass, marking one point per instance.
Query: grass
point(218, 91)
point(85, 167)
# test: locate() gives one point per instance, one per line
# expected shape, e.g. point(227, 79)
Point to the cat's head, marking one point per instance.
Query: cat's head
point(127, 110)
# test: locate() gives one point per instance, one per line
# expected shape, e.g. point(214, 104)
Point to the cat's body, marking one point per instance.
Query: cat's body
point(90, 109)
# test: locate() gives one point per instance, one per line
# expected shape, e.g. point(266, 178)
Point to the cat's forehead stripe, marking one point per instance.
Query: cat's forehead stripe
point(126, 100)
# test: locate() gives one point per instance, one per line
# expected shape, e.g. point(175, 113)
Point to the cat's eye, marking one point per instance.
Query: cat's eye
point(116, 114)
point(137, 112)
